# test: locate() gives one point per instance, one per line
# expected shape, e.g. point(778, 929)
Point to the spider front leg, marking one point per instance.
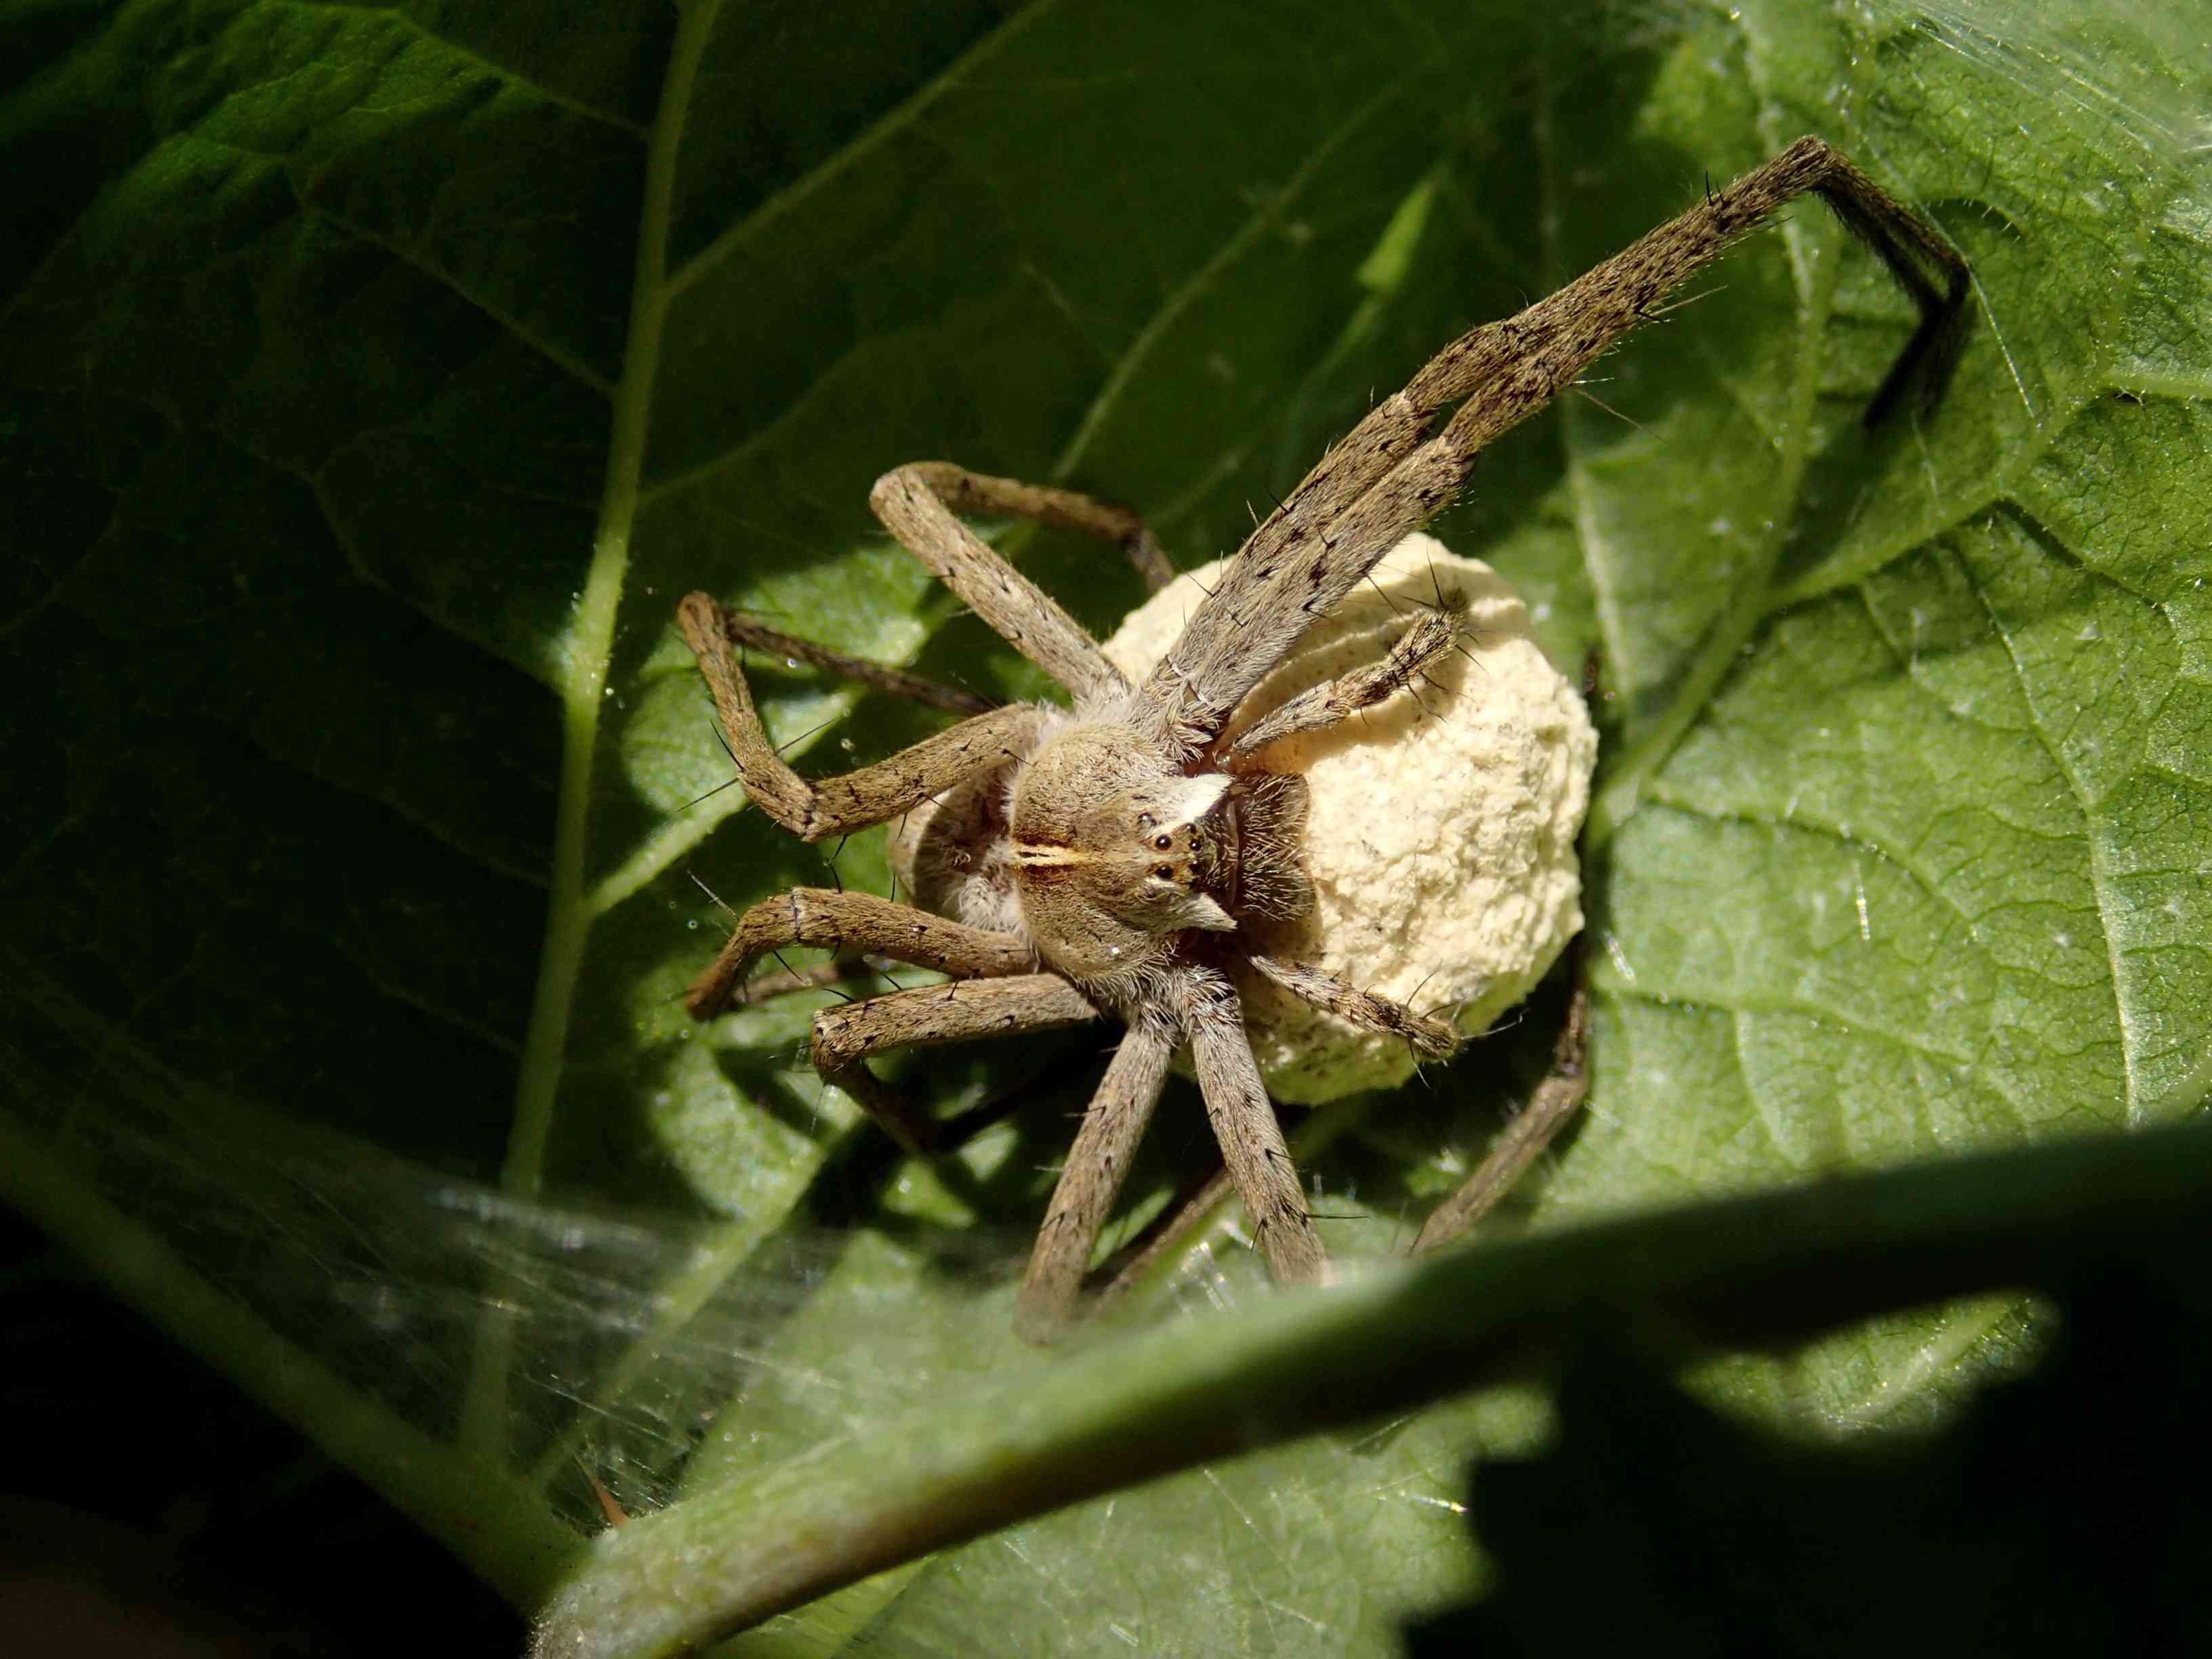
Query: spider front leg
point(979, 492)
point(844, 1037)
point(834, 806)
point(920, 503)
point(1388, 477)
point(968, 492)
point(857, 922)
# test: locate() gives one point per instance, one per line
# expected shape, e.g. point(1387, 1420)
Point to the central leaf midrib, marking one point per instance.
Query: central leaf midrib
point(580, 673)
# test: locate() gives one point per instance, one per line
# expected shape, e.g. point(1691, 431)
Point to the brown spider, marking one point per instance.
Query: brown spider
point(1115, 858)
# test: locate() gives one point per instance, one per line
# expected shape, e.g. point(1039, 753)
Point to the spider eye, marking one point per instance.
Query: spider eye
point(1164, 842)
point(1165, 872)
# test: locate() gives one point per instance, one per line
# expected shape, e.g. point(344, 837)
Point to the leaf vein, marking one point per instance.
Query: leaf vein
point(823, 172)
point(2100, 877)
point(569, 364)
point(490, 66)
point(1173, 305)
point(1855, 1024)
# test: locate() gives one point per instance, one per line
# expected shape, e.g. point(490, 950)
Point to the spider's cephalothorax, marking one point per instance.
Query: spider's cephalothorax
point(1121, 860)
point(1099, 848)
point(1103, 851)
point(1116, 852)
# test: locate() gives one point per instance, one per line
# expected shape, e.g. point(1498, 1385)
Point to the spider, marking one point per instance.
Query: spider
point(1118, 858)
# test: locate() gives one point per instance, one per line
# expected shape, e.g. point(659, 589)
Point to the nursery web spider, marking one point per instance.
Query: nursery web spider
point(1102, 861)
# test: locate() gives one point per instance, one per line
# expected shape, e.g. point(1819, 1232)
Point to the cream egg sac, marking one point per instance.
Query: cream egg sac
point(1441, 833)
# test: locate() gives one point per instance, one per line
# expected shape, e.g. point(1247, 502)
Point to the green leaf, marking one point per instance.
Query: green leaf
point(377, 379)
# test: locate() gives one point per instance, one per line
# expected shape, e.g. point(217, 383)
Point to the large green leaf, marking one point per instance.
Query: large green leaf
point(377, 378)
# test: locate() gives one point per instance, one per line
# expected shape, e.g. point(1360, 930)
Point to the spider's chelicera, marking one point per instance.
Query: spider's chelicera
point(1122, 857)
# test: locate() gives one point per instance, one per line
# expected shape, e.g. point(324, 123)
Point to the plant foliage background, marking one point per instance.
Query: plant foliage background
point(377, 377)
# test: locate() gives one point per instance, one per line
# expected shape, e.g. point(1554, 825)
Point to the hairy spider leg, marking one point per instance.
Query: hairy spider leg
point(980, 494)
point(1091, 1179)
point(746, 630)
point(845, 1036)
point(1383, 481)
point(1550, 1109)
point(1244, 1118)
point(815, 809)
point(854, 922)
point(916, 504)
point(1430, 1037)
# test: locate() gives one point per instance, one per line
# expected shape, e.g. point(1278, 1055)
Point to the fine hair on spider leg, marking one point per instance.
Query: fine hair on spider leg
point(1131, 854)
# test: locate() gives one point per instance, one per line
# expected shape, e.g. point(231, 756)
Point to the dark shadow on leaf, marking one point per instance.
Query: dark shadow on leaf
point(2063, 1514)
